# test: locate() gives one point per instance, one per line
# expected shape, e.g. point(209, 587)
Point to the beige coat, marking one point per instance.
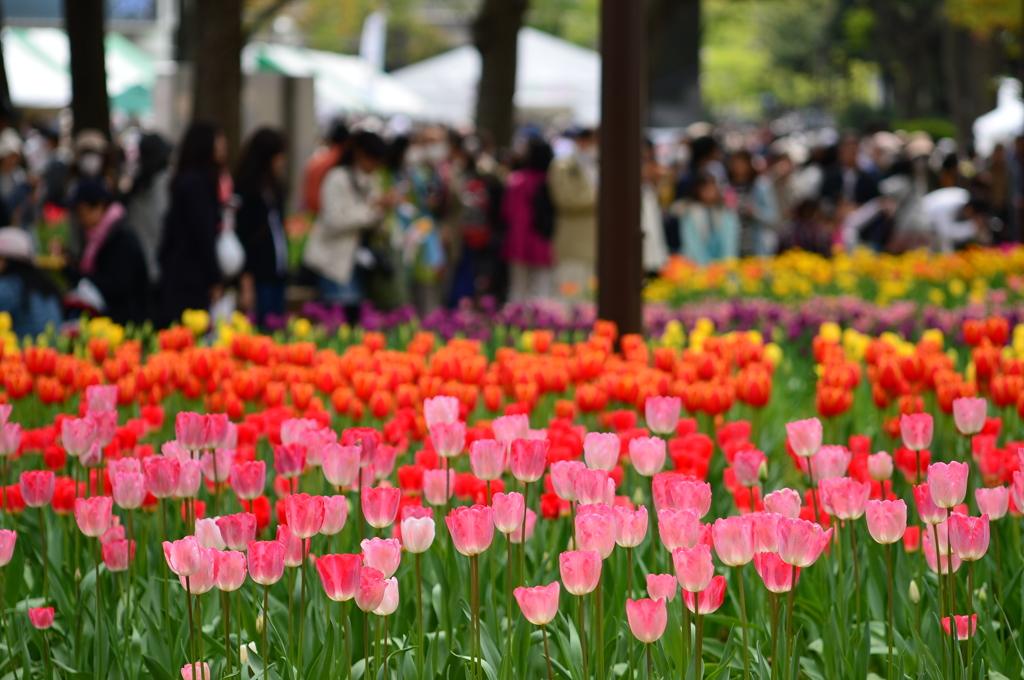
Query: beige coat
point(347, 210)
point(575, 201)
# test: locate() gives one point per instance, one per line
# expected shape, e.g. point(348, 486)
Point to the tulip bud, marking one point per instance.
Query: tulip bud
point(78, 575)
point(983, 594)
point(259, 624)
point(915, 594)
point(762, 472)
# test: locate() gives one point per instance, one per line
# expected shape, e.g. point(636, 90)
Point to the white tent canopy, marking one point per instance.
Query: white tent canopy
point(551, 75)
point(1003, 123)
point(342, 83)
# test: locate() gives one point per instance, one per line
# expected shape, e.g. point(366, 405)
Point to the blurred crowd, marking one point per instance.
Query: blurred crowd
point(393, 214)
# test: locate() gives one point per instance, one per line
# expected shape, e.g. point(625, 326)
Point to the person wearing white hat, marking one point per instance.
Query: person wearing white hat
point(27, 293)
point(15, 190)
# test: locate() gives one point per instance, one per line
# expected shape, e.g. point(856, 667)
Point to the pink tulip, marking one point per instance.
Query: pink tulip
point(801, 542)
point(563, 475)
point(940, 532)
point(630, 525)
point(804, 436)
point(190, 478)
point(388, 603)
point(694, 568)
point(195, 671)
point(708, 600)
point(162, 473)
point(647, 455)
point(662, 586)
point(993, 502)
point(765, 527)
point(289, 460)
point(37, 487)
point(487, 458)
point(183, 556)
point(117, 555)
point(41, 617)
point(785, 502)
point(93, 514)
point(315, 442)
point(305, 514)
point(679, 528)
point(962, 632)
point(748, 465)
point(916, 430)
point(601, 450)
point(733, 538)
point(776, 574)
point(509, 428)
point(662, 414)
point(1017, 489)
point(830, 461)
point(266, 562)
point(509, 509)
point(116, 532)
point(101, 397)
point(529, 457)
point(216, 427)
point(208, 534)
point(384, 554)
point(339, 575)
point(538, 604)
point(887, 520)
point(294, 429)
point(216, 466)
point(202, 580)
point(927, 510)
point(106, 426)
point(370, 592)
point(947, 483)
point(441, 410)
point(595, 529)
point(8, 539)
point(647, 619)
point(516, 535)
point(380, 505)
point(188, 430)
point(129, 489)
point(581, 571)
point(449, 439)
point(77, 435)
point(969, 414)
point(968, 536)
point(340, 464)
point(229, 570)
point(294, 547)
point(591, 486)
point(880, 466)
point(471, 528)
point(438, 486)
point(932, 556)
point(237, 530)
point(93, 458)
point(847, 498)
point(418, 534)
point(335, 514)
point(679, 492)
point(172, 449)
point(117, 466)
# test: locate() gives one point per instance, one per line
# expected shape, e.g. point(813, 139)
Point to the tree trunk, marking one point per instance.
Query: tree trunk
point(5, 90)
point(496, 32)
point(218, 71)
point(89, 103)
point(673, 62)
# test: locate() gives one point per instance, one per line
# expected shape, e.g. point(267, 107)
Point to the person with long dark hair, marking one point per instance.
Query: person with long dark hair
point(351, 206)
point(259, 223)
point(26, 292)
point(190, 273)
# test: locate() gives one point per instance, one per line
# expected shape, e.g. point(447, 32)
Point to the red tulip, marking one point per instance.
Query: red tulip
point(581, 571)
point(370, 592)
point(41, 617)
point(266, 562)
point(384, 554)
point(963, 631)
point(380, 505)
point(37, 487)
point(93, 514)
point(887, 520)
point(969, 536)
point(538, 604)
point(647, 619)
point(708, 600)
point(339, 575)
point(471, 528)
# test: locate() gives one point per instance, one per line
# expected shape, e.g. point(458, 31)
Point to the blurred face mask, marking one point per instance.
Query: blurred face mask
point(90, 164)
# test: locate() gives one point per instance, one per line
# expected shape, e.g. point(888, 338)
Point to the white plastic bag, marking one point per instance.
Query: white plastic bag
point(230, 253)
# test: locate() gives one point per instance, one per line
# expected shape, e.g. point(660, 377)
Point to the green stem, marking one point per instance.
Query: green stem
point(46, 575)
point(302, 605)
point(419, 610)
point(599, 633)
point(970, 608)
point(522, 536)
point(686, 633)
point(99, 608)
point(743, 619)
point(698, 653)
point(547, 653)
point(3, 620)
point(888, 569)
point(225, 600)
point(583, 637)
point(266, 624)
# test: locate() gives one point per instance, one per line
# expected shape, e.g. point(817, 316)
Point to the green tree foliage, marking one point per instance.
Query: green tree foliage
point(984, 17)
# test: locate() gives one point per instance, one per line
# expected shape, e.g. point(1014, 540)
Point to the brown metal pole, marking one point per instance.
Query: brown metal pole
point(619, 236)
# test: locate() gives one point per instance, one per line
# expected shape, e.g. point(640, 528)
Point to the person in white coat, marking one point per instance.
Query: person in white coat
point(351, 206)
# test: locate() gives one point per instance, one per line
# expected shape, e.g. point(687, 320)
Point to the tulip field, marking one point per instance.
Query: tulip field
point(564, 504)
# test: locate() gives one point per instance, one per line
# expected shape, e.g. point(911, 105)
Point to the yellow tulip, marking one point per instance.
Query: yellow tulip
point(197, 320)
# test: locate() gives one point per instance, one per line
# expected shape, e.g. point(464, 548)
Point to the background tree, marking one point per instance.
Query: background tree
point(496, 33)
point(89, 103)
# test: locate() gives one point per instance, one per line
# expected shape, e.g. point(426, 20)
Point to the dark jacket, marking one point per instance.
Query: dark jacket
point(865, 187)
point(188, 254)
point(257, 219)
point(122, 276)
